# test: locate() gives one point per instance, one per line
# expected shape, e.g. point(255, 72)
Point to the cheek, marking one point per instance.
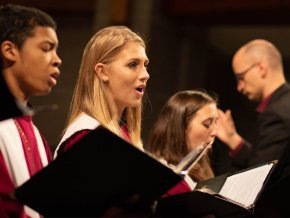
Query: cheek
point(194, 139)
point(119, 80)
point(251, 84)
point(197, 138)
point(115, 80)
point(119, 88)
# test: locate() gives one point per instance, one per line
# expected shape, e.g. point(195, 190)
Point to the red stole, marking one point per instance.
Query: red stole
point(29, 143)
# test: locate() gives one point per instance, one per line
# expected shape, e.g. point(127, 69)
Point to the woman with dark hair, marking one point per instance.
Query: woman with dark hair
point(187, 121)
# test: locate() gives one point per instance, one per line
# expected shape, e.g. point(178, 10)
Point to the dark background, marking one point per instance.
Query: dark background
point(190, 44)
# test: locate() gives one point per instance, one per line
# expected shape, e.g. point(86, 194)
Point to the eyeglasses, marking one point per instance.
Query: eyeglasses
point(240, 76)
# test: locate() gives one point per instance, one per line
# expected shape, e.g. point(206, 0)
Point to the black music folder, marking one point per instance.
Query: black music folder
point(226, 195)
point(97, 173)
point(273, 199)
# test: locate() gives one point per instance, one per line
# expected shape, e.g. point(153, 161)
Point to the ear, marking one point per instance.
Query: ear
point(263, 69)
point(9, 50)
point(101, 72)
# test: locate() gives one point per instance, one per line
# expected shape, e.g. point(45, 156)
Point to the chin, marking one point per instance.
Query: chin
point(253, 98)
point(136, 103)
point(43, 92)
point(250, 97)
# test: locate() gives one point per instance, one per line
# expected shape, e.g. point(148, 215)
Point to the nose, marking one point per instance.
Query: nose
point(240, 86)
point(214, 130)
point(213, 133)
point(145, 75)
point(57, 61)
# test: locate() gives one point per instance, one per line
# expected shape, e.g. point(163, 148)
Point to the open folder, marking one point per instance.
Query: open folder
point(97, 173)
point(233, 194)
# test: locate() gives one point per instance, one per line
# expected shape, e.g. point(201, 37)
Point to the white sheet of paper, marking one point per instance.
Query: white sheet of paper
point(244, 187)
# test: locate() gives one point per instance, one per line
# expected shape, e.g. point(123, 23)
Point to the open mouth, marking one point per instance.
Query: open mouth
point(53, 78)
point(141, 90)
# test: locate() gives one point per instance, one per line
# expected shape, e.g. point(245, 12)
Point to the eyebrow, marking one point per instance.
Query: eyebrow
point(139, 59)
point(53, 44)
point(240, 75)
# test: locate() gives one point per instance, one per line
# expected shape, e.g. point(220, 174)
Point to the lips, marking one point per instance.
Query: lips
point(53, 77)
point(141, 88)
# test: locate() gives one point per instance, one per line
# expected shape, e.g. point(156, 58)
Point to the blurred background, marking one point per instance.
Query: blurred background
point(190, 44)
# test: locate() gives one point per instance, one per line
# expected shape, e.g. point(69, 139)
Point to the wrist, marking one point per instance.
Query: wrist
point(234, 141)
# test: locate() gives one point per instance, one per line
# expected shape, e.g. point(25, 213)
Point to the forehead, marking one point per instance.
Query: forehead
point(239, 61)
point(133, 50)
point(243, 59)
point(207, 110)
point(43, 34)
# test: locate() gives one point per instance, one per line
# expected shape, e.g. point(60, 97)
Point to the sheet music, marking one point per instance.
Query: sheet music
point(245, 186)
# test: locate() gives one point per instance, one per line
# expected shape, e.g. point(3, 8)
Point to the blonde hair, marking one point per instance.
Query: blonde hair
point(91, 95)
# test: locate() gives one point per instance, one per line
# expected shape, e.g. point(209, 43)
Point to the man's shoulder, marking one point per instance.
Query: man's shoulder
point(281, 95)
point(280, 103)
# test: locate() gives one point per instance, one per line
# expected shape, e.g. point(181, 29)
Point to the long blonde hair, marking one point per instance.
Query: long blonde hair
point(91, 95)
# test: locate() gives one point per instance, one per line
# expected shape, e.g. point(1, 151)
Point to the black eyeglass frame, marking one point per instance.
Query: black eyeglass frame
point(240, 76)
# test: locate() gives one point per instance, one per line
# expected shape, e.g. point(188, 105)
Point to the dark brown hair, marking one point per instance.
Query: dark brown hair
point(167, 139)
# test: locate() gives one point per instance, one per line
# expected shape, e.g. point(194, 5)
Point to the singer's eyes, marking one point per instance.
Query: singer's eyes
point(210, 122)
point(207, 123)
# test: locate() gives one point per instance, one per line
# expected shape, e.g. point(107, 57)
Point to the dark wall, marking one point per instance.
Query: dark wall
point(186, 50)
point(73, 33)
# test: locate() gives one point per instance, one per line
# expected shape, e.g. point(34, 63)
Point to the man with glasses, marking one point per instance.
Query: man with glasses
point(260, 77)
